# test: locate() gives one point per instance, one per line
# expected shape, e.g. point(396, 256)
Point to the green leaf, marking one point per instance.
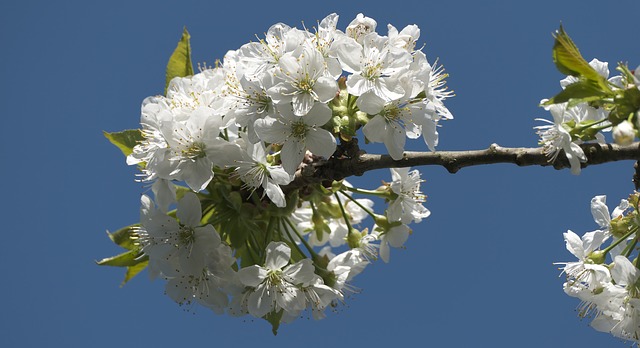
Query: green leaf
point(125, 237)
point(581, 91)
point(126, 259)
point(180, 61)
point(125, 140)
point(627, 104)
point(132, 271)
point(274, 318)
point(569, 61)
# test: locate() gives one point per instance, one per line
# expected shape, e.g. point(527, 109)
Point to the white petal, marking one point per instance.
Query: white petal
point(301, 272)
point(278, 255)
point(261, 301)
point(388, 88)
point(358, 85)
point(189, 210)
point(197, 174)
point(384, 251)
point(375, 129)
point(252, 275)
point(592, 240)
point(349, 53)
point(370, 103)
point(319, 115)
point(291, 299)
point(620, 209)
point(394, 140)
point(320, 142)
point(397, 236)
point(430, 134)
point(275, 194)
point(289, 65)
point(271, 130)
point(624, 272)
point(326, 89)
point(281, 93)
point(574, 244)
point(178, 291)
point(292, 154)
point(164, 192)
point(302, 103)
point(279, 176)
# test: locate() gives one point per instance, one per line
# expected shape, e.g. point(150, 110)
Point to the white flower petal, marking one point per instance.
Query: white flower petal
point(574, 244)
point(320, 142)
point(375, 129)
point(623, 271)
point(252, 275)
point(189, 210)
point(370, 103)
point(261, 301)
point(301, 272)
point(326, 89)
point(271, 130)
point(278, 255)
point(319, 115)
point(292, 154)
point(275, 194)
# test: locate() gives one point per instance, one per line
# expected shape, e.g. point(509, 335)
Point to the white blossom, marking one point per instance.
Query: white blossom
point(303, 81)
point(255, 171)
point(276, 285)
point(554, 138)
point(298, 134)
point(407, 206)
point(585, 271)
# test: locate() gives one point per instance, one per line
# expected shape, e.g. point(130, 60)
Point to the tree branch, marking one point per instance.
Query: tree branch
point(350, 161)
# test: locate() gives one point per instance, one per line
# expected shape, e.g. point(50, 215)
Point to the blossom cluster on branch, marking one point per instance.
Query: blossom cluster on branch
point(606, 276)
point(222, 143)
point(590, 103)
point(250, 213)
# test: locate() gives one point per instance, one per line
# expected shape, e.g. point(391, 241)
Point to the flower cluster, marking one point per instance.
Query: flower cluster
point(590, 103)
point(574, 123)
point(605, 277)
point(243, 239)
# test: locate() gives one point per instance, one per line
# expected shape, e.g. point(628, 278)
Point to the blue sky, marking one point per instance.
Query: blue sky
point(478, 272)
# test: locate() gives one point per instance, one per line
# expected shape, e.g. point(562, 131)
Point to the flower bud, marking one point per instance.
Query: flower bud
point(597, 257)
point(353, 238)
point(620, 226)
point(624, 133)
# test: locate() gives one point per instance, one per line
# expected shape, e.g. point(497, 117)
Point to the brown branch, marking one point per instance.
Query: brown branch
point(349, 164)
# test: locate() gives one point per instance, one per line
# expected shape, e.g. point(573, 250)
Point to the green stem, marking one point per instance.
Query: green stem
point(382, 194)
point(629, 248)
point(313, 254)
point(252, 247)
point(623, 238)
point(589, 125)
point(603, 127)
point(366, 210)
point(344, 214)
point(270, 227)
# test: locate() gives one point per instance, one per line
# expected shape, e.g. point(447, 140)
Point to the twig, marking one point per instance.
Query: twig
point(340, 168)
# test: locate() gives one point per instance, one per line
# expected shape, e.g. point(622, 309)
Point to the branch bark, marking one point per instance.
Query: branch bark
point(354, 162)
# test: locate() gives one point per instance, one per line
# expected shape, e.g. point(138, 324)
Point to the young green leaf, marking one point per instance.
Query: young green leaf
point(125, 237)
point(569, 61)
point(180, 61)
point(126, 259)
point(627, 104)
point(125, 140)
point(132, 271)
point(274, 318)
point(581, 91)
